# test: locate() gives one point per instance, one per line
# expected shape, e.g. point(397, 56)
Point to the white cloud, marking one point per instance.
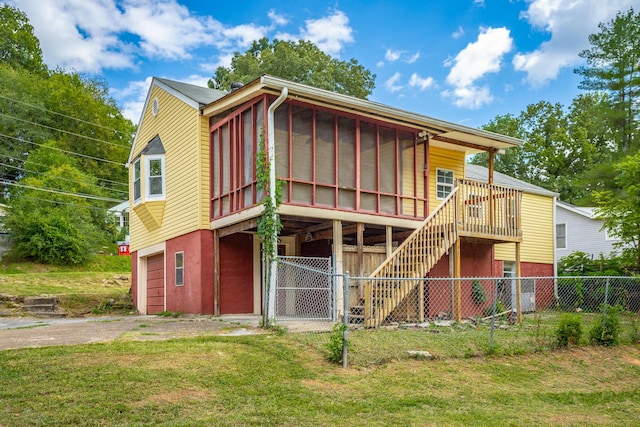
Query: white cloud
point(471, 97)
point(419, 82)
point(475, 61)
point(244, 34)
point(276, 18)
point(395, 55)
point(458, 33)
point(570, 22)
point(392, 55)
point(330, 33)
point(391, 83)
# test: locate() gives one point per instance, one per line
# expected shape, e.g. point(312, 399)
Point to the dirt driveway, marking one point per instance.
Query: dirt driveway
point(38, 332)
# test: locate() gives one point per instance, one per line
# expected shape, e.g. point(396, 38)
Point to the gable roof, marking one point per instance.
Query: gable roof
point(480, 173)
point(192, 95)
point(585, 212)
point(202, 95)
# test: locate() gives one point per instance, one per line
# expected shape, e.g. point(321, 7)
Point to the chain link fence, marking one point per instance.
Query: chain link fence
point(389, 319)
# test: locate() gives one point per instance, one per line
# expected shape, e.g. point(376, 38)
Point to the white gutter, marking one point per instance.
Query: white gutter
point(271, 153)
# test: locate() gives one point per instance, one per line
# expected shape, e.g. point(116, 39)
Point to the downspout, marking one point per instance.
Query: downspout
point(270, 301)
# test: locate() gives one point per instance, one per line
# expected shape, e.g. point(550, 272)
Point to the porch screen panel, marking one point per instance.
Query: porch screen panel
point(408, 174)
point(258, 128)
point(388, 170)
point(302, 154)
point(281, 132)
point(346, 163)
point(325, 158)
point(247, 157)
point(420, 177)
point(226, 168)
point(368, 167)
point(215, 178)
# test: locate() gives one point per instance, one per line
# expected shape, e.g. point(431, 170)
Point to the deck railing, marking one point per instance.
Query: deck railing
point(473, 209)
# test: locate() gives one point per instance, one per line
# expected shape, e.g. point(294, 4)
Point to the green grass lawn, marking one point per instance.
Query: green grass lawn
point(80, 290)
point(275, 380)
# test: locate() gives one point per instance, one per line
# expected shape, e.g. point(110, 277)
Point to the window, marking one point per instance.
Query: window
point(179, 268)
point(154, 173)
point(475, 208)
point(561, 236)
point(136, 180)
point(444, 183)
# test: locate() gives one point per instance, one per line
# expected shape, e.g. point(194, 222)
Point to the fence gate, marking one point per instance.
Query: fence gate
point(305, 289)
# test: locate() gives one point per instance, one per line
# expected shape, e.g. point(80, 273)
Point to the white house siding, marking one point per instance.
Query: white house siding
point(583, 233)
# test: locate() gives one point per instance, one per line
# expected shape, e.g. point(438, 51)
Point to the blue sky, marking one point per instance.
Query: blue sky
point(465, 61)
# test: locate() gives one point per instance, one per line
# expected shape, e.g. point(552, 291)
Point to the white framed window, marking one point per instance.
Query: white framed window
point(444, 183)
point(561, 236)
point(154, 174)
point(179, 257)
point(136, 181)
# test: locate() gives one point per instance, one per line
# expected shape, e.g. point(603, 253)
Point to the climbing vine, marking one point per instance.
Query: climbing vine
point(269, 224)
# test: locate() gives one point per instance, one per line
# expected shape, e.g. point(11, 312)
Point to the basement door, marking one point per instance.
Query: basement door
point(155, 284)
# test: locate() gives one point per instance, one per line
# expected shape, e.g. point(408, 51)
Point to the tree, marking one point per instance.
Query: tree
point(621, 211)
point(613, 66)
point(301, 62)
point(559, 147)
point(19, 47)
point(50, 221)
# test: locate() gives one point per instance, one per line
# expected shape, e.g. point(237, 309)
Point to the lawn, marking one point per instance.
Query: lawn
point(80, 290)
point(274, 380)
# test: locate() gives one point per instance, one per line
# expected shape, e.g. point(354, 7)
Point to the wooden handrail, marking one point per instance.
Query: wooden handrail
point(474, 209)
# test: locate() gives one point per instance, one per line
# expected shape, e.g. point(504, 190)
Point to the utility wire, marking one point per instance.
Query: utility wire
point(63, 179)
point(64, 193)
point(60, 114)
point(67, 204)
point(63, 131)
point(124, 184)
point(64, 151)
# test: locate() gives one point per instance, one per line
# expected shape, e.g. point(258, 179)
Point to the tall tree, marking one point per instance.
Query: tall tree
point(301, 62)
point(613, 66)
point(621, 210)
point(19, 47)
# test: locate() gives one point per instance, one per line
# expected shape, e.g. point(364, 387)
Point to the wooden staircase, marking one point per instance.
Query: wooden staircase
point(388, 286)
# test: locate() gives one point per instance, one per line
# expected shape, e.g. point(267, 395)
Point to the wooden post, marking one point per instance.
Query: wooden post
point(458, 285)
point(360, 247)
point(389, 241)
point(490, 181)
point(216, 272)
point(338, 258)
point(518, 284)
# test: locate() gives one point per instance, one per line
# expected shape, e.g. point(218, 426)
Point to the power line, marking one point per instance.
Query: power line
point(64, 151)
point(63, 179)
point(124, 184)
point(63, 131)
point(60, 114)
point(64, 193)
point(67, 204)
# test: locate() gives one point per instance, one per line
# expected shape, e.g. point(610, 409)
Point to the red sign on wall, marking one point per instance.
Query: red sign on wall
point(123, 248)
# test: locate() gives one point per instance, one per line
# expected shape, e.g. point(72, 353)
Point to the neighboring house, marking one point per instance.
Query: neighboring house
point(579, 229)
point(358, 178)
point(121, 214)
point(5, 241)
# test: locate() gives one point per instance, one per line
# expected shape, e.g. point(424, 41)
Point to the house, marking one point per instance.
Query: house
point(5, 240)
point(380, 190)
point(120, 214)
point(579, 229)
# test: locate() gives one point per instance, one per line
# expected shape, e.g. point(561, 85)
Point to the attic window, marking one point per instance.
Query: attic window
point(154, 107)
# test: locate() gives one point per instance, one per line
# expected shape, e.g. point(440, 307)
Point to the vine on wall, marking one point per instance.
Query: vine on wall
point(269, 224)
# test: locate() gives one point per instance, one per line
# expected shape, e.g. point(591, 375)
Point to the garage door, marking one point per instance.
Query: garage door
point(155, 284)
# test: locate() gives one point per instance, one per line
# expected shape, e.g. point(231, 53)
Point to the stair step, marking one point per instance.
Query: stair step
point(40, 300)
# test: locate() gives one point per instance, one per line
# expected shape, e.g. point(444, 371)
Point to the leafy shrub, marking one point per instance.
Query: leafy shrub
point(478, 293)
point(607, 331)
point(569, 330)
point(336, 343)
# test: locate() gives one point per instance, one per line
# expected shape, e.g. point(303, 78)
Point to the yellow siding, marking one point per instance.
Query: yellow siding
point(537, 232)
point(181, 130)
point(440, 158)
